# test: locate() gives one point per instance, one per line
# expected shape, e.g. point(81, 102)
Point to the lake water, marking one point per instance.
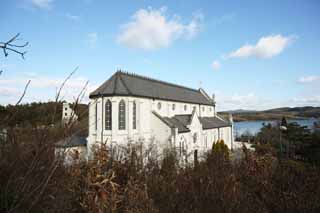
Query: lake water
point(254, 126)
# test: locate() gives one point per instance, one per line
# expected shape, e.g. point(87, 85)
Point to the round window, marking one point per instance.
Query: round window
point(159, 105)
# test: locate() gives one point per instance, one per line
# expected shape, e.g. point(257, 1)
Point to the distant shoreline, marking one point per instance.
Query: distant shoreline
point(295, 113)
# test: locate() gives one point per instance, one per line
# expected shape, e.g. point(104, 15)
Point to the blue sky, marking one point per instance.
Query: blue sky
point(251, 54)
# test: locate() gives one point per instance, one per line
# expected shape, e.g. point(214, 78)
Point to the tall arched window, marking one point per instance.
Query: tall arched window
point(134, 115)
point(108, 110)
point(122, 115)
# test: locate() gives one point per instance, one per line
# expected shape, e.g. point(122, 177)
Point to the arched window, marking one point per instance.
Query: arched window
point(183, 146)
point(122, 115)
point(108, 110)
point(195, 137)
point(134, 115)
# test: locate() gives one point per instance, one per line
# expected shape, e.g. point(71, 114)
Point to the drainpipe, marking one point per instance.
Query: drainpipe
point(231, 133)
point(102, 119)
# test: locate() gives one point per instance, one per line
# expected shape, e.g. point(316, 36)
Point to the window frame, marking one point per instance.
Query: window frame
point(108, 115)
point(134, 115)
point(122, 115)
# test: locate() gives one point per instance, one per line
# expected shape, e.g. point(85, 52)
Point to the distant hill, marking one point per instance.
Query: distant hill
point(274, 114)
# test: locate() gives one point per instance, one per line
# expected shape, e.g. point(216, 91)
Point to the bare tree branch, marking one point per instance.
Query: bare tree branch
point(59, 92)
point(10, 46)
point(24, 92)
point(64, 82)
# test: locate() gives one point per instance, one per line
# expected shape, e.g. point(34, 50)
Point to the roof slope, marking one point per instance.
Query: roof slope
point(213, 122)
point(182, 121)
point(124, 84)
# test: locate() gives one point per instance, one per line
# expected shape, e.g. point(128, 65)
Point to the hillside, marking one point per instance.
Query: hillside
point(274, 114)
point(37, 114)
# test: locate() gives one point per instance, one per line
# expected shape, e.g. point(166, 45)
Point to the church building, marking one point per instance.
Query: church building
point(131, 108)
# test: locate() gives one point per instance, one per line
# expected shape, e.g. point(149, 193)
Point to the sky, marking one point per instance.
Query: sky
point(251, 54)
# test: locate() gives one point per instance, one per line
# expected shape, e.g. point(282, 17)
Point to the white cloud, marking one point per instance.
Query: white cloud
point(309, 79)
point(248, 101)
point(43, 4)
point(306, 101)
point(72, 17)
point(216, 65)
point(42, 88)
point(8, 91)
point(150, 29)
point(92, 39)
point(266, 47)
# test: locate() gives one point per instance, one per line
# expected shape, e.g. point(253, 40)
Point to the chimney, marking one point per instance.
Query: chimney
point(214, 104)
point(230, 118)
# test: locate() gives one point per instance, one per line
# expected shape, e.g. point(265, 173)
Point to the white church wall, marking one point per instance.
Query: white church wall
point(161, 132)
point(167, 109)
point(147, 126)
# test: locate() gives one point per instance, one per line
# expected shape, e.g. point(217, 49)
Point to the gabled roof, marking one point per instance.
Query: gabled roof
point(183, 121)
point(125, 84)
point(213, 122)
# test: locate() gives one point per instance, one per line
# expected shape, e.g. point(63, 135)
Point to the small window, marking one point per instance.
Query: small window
point(194, 108)
point(210, 109)
point(195, 138)
point(66, 109)
point(185, 107)
point(173, 106)
point(65, 114)
point(203, 109)
point(159, 105)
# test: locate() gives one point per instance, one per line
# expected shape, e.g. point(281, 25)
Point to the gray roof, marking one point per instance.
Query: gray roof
point(213, 122)
point(125, 84)
point(182, 121)
point(72, 141)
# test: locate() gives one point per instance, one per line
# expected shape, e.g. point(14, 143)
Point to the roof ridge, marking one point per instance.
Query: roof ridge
point(125, 86)
point(156, 80)
point(115, 82)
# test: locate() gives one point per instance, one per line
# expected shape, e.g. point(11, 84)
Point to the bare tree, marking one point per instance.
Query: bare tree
point(12, 46)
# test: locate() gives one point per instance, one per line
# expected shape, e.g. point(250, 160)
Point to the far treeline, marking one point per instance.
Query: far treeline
point(38, 114)
point(275, 114)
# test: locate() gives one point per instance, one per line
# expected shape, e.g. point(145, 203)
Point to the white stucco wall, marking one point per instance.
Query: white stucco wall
point(161, 132)
point(67, 113)
point(149, 126)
